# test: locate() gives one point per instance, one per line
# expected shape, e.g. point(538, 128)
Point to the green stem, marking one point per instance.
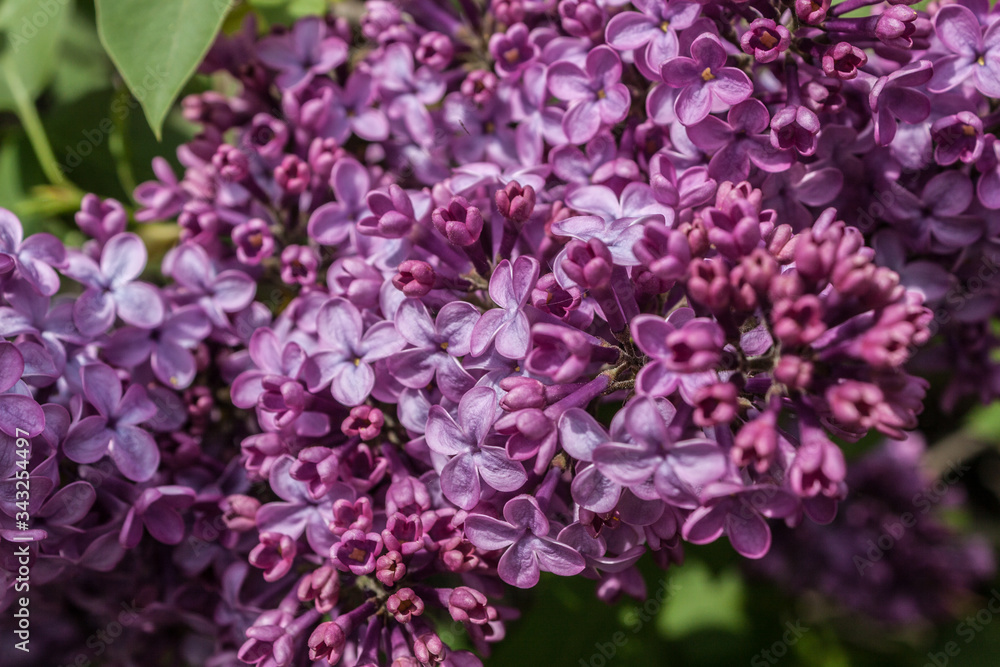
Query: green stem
point(28, 115)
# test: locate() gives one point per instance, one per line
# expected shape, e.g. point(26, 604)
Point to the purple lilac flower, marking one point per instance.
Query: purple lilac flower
point(704, 78)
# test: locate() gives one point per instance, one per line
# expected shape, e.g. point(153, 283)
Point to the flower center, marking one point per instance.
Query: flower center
point(358, 555)
point(511, 55)
point(981, 61)
point(601, 94)
point(968, 130)
point(768, 40)
point(706, 74)
point(665, 26)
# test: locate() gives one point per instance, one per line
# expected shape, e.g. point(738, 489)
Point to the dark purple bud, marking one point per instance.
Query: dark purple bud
point(327, 642)
point(508, 12)
point(958, 137)
point(429, 649)
point(254, 241)
point(230, 163)
point(392, 214)
point(404, 604)
point(403, 533)
point(843, 60)
point(101, 219)
point(322, 586)
point(549, 297)
point(468, 605)
point(708, 283)
point(389, 568)
point(356, 552)
point(274, 554)
point(239, 512)
point(522, 393)
point(460, 222)
point(414, 278)
point(348, 515)
point(435, 50)
point(298, 265)
point(811, 12)
point(364, 421)
point(583, 18)
point(588, 263)
point(798, 322)
point(756, 442)
point(896, 25)
point(407, 495)
point(292, 175)
point(794, 372)
point(480, 86)
point(715, 404)
point(765, 40)
point(795, 128)
point(516, 203)
point(664, 251)
point(324, 153)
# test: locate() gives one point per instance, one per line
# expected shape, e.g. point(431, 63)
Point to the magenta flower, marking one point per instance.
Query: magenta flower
point(331, 223)
point(596, 94)
point(167, 346)
point(647, 451)
point(975, 52)
point(18, 411)
point(158, 511)
point(651, 32)
point(305, 52)
point(893, 97)
point(115, 429)
point(616, 221)
point(33, 258)
point(739, 511)
point(347, 351)
point(704, 78)
point(217, 293)
point(356, 552)
point(524, 536)
point(470, 458)
point(740, 141)
point(507, 325)
point(682, 350)
point(437, 347)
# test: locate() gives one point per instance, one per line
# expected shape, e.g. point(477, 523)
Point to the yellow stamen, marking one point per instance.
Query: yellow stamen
point(968, 130)
point(444, 345)
point(665, 26)
point(981, 61)
point(768, 40)
point(357, 361)
point(601, 94)
point(511, 55)
point(707, 75)
point(358, 555)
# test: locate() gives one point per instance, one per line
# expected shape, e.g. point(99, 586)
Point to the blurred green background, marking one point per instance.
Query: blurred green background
point(61, 95)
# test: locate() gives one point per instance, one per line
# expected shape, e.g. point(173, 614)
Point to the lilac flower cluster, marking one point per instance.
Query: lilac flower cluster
point(483, 294)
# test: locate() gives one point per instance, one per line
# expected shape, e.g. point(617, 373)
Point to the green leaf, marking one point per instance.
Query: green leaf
point(31, 31)
point(157, 46)
point(704, 601)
